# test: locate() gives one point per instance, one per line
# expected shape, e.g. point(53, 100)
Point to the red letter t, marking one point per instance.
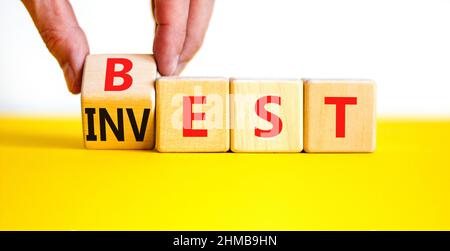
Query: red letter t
point(340, 103)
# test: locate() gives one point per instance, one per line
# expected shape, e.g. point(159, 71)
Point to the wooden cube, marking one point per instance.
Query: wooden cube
point(192, 114)
point(266, 115)
point(339, 116)
point(118, 101)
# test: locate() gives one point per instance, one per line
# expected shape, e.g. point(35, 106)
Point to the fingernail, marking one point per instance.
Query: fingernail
point(180, 68)
point(173, 65)
point(69, 76)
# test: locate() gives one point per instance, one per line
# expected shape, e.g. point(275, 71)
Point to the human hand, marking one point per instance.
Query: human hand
point(180, 28)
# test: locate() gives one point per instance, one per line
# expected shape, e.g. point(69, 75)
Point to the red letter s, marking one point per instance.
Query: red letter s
point(277, 124)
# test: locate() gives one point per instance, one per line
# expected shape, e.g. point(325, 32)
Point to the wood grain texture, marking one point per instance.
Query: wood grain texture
point(321, 133)
point(139, 98)
point(244, 119)
point(171, 93)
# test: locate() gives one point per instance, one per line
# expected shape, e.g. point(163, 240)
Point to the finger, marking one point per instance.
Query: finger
point(200, 12)
point(171, 20)
point(58, 27)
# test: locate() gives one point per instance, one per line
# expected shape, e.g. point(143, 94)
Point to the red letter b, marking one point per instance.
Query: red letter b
point(111, 73)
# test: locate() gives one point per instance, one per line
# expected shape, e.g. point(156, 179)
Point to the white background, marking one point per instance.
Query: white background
point(404, 45)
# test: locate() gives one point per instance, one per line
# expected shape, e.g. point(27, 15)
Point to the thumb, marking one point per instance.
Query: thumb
point(63, 37)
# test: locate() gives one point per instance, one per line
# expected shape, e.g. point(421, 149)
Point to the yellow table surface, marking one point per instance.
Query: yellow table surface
point(49, 181)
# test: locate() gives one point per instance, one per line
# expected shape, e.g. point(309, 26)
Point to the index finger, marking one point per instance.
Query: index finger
point(171, 18)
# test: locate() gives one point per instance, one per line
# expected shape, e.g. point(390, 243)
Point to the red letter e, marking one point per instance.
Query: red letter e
point(189, 116)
